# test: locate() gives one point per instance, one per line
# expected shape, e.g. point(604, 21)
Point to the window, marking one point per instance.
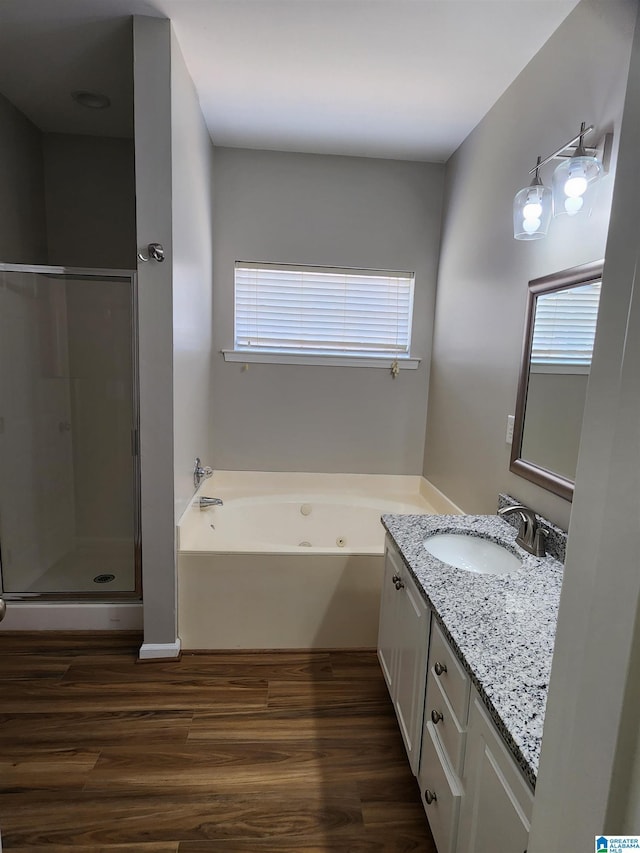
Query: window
point(565, 327)
point(318, 314)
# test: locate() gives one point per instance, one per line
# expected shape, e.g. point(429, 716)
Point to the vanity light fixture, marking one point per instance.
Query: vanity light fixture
point(573, 176)
point(532, 209)
point(580, 168)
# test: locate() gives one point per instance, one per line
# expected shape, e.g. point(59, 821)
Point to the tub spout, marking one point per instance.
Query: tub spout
point(203, 503)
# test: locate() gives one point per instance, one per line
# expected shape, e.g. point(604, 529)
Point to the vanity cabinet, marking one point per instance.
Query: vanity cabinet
point(403, 640)
point(475, 796)
point(498, 802)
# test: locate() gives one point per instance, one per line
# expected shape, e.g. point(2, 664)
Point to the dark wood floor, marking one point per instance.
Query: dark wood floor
point(272, 753)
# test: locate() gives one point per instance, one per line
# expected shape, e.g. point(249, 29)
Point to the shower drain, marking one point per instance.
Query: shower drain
point(104, 578)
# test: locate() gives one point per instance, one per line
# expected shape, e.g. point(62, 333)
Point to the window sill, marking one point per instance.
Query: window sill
point(562, 368)
point(384, 362)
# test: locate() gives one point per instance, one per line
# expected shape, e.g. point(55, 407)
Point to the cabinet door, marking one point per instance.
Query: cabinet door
point(440, 791)
point(497, 805)
point(412, 629)
point(387, 629)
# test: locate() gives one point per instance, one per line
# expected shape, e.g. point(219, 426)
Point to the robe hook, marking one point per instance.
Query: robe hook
point(156, 252)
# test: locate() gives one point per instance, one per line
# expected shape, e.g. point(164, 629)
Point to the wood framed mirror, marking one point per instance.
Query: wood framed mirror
point(560, 324)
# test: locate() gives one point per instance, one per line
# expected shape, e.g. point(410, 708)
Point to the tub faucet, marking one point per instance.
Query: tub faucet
point(203, 503)
point(530, 535)
point(200, 472)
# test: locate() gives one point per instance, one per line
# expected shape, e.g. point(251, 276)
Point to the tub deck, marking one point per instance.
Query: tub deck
point(290, 561)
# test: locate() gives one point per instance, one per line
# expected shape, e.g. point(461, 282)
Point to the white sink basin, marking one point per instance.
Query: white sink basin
point(472, 553)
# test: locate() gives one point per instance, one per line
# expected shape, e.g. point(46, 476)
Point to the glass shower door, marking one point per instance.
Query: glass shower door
point(68, 422)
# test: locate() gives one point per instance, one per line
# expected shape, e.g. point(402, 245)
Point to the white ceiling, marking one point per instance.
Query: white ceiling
point(407, 79)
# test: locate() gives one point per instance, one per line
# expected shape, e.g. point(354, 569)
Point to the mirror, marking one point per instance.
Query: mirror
point(560, 324)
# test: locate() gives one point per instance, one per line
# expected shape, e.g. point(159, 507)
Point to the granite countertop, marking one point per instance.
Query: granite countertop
point(502, 627)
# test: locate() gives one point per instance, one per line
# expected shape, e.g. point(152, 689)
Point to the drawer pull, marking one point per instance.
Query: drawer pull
point(397, 581)
point(440, 668)
point(436, 716)
point(430, 797)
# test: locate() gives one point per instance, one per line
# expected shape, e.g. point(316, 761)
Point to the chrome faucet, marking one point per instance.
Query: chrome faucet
point(203, 502)
point(530, 535)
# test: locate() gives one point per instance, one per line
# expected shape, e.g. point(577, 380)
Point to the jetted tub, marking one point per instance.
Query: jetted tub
point(289, 560)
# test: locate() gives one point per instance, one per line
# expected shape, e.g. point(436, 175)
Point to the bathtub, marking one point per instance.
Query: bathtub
point(289, 561)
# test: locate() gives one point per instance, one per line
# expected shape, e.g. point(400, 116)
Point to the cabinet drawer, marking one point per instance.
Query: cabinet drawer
point(452, 678)
point(437, 781)
point(451, 733)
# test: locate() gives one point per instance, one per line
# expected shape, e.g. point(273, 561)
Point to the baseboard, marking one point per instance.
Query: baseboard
point(286, 651)
point(152, 651)
point(72, 616)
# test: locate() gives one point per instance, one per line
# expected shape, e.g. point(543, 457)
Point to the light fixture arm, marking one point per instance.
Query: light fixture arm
point(560, 152)
point(536, 182)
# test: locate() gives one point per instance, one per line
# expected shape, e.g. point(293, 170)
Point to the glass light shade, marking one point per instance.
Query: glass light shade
point(532, 212)
point(573, 205)
point(571, 180)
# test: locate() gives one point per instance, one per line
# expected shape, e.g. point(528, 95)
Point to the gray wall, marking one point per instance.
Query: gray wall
point(191, 169)
point(483, 275)
point(23, 236)
point(90, 201)
point(334, 211)
point(152, 81)
point(173, 193)
point(590, 761)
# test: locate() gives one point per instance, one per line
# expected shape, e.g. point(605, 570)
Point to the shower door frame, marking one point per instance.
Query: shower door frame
point(101, 595)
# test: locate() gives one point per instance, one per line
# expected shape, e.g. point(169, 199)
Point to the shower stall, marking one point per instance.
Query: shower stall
point(69, 460)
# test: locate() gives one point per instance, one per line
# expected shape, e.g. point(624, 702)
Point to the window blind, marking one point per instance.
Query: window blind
point(322, 310)
point(565, 325)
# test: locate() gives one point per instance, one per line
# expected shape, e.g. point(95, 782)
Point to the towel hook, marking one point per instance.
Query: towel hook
point(156, 251)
